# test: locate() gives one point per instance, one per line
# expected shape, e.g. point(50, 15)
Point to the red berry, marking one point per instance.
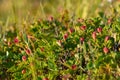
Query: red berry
point(105, 50)
point(45, 79)
point(24, 58)
point(107, 38)
point(71, 30)
point(50, 18)
point(82, 39)
point(83, 27)
point(94, 35)
point(16, 40)
point(28, 51)
point(99, 29)
point(73, 67)
point(65, 36)
point(23, 71)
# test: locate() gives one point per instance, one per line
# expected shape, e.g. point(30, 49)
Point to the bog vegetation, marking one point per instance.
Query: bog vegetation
point(74, 42)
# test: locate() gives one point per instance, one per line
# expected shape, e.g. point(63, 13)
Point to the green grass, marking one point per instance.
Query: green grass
point(19, 10)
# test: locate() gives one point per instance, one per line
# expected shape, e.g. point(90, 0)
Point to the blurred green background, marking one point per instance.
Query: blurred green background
point(18, 11)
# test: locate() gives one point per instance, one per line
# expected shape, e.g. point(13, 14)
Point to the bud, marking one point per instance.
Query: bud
point(65, 36)
point(23, 71)
point(16, 40)
point(83, 27)
point(71, 30)
point(50, 18)
point(107, 38)
point(73, 67)
point(45, 79)
point(99, 29)
point(94, 35)
point(82, 39)
point(28, 51)
point(105, 50)
point(24, 58)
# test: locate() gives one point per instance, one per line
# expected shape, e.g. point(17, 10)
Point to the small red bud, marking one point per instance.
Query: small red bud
point(107, 38)
point(94, 35)
point(82, 39)
point(24, 58)
point(16, 40)
point(45, 79)
point(50, 18)
point(71, 30)
point(105, 50)
point(73, 67)
point(28, 51)
point(23, 71)
point(83, 27)
point(65, 36)
point(99, 29)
